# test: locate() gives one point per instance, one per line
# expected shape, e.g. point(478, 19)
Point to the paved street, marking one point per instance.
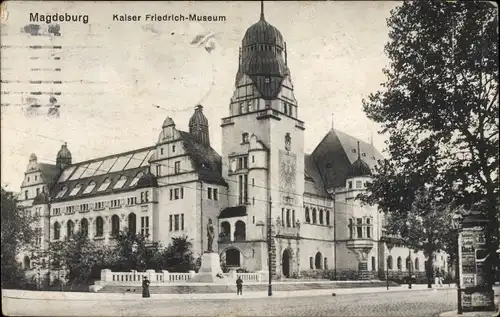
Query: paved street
point(417, 303)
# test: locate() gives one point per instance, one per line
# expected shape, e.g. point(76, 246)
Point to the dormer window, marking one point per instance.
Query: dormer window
point(353, 150)
point(62, 192)
point(267, 80)
point(244, 137)
point(136, 179)
point(120, 182)
point(105, 185)
point(75, 190)
point(90, 187)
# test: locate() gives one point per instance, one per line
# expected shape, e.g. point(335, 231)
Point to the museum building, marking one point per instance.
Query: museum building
point(261, 179)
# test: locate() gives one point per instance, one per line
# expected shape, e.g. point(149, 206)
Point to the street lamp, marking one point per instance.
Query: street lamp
point(457, 224)
point(389, 246)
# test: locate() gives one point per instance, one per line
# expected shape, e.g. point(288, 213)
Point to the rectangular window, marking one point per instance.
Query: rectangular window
point(182, 222)
point(70, 209)
point(177, 167)
point(368, 232)
point(351, 229)
point(349, 185)
point(245, 162)
point(359, 231)
point(216, 194)
point(293, 218)
point(145, 226)
point(99, 205)
point(173, 148)
point(161, 151)
point(253, 158)
point(56, 211)
point(25, 194)
point(245, 197)
point(37, 191)
point(240, 185)
point(131, 201)
point(115, 203)
point(176, 222)
point(171, 194)
point(158, 170)
point(209, 192)
point(311, 263)
point(242, 108)
point(253, 182)
point(176, 193)
point(327, 217)
point(170, 222)
point(325, 265)
point(359, 184)
point(84, 207)
point(182, 192)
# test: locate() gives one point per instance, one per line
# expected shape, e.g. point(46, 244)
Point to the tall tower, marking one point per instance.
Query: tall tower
point(63, 157)
point(263, 139)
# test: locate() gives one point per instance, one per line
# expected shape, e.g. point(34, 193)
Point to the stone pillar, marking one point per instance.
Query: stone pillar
point(192, 274)
point(151, 276)
point(233, 275)
point(166, 277)
point(106, 275)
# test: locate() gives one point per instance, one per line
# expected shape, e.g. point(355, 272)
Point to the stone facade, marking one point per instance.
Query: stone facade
point(262, 177)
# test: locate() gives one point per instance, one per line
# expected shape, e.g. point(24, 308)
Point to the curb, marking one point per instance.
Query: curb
point(76, 296)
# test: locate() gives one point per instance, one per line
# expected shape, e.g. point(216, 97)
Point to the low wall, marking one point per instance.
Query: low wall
point(135, 278)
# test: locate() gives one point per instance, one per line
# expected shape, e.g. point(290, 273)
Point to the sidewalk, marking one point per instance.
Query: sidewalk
point(137, 296)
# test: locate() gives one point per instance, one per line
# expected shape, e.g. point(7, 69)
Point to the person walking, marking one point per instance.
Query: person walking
point(145, 287)
point(239, 286)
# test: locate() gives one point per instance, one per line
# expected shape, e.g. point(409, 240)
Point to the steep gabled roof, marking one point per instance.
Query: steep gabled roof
point(206, 161)
point(336, 153)
point(313, 182)
point(49, 172)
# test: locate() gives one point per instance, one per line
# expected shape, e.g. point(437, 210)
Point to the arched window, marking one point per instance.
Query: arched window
point(408, 263)
point(314, 216)
point(132, 223)
point(399, 263)
point(57, 230)
point(318, 260)
point(244, 137)
point(120, 182)
point(225, 232)
point(75, 189)
point(327, 212)
point(63, 191)
point(232, 257)
point(99, 227)
point(89, 187)
point(374, 265)
point(70, 229)
point(27, 263)
point(115, 224)
point(308, 218)
point(84, 227)
point(239, 231)
point(389, 262)
point(417, 265)
point(136, 179)
point(321, 216)
point(104, 185)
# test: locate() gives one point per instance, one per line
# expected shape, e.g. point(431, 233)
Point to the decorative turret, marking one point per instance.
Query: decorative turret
point(198, 126)
point(33, 158)
point(63, 157)
point(359, 167)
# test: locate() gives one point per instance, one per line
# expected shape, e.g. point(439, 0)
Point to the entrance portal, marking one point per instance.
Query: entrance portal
point(286, 260)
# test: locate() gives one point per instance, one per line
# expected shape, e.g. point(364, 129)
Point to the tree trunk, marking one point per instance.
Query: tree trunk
point(429, 269)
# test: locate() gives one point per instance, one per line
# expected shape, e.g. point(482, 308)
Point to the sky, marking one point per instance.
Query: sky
point(120, 80)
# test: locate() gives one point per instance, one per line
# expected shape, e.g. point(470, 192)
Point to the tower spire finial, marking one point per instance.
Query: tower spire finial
point(332, 122)
point(262, 10)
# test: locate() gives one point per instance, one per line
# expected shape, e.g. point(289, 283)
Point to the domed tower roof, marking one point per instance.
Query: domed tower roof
point(198, 118)
point(168, 122)
point(63, 156)
point(359, 167)
point(198, 126)
point(263, 33)
point(33, 157)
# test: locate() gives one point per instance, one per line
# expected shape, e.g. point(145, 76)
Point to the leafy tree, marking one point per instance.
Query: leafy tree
point(16, 234)
point(178, 257)
point(439, 105)
point(134, 252)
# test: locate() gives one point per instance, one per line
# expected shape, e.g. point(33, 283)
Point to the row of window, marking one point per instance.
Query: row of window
point(176, 222)
point(399, 263)
point(100, 205)
point(324, 216)
point(104, 186)
point(36, 178)
point(177, 193)
point(362, 228)
point(26, 192)
point(99, 226)
point(212, 193)
point(253, 105)
point(359, 184)
point(263, 47)
point(162, 149)
point(177, 168)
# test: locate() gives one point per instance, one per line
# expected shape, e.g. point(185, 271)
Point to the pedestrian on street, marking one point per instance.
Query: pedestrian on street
point(145, 287)
point(239, 286)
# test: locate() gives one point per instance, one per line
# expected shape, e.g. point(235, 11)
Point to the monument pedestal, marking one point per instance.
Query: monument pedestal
point(209, 269)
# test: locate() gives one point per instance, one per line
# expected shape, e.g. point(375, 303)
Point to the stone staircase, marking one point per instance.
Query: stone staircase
point(207, 289)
